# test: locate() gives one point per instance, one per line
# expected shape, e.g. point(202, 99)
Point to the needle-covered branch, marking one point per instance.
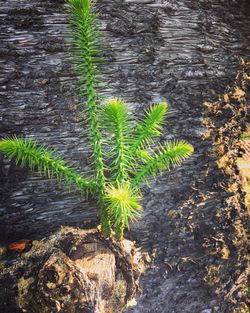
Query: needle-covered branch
point(149, 127)
point(116, 122)
point(39, 158)
point(86, 47)
point(86, 50)
point(123, 206)
point(172, 155)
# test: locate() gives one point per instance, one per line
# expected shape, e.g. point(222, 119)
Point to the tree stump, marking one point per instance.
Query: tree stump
point(73, 271)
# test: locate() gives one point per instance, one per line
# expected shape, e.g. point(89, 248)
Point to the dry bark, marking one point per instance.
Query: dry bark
point(73, 271)
point(185, 52)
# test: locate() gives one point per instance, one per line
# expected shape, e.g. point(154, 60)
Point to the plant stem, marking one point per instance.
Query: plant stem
point(86, 48)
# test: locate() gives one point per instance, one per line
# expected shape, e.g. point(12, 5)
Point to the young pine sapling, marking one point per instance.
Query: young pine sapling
point(122, 157)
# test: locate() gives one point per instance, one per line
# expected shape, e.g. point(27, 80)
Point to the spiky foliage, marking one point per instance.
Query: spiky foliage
point(85, 51)
point(116, 122)
point(86, 48)
point(245, 136)
point(172, 154)
point(123, 204)
point(149, 127)
point(129, 158)
point(41, 159)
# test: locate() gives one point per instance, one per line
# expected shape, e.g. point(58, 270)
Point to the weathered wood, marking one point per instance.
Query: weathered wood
point(184, 52)
point(74, 271)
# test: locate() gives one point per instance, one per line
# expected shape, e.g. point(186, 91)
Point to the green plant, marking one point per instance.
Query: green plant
point(245, 136)
point(122, 156)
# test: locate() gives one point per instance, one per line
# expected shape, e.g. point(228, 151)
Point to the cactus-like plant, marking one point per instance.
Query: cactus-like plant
point(122, 156)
